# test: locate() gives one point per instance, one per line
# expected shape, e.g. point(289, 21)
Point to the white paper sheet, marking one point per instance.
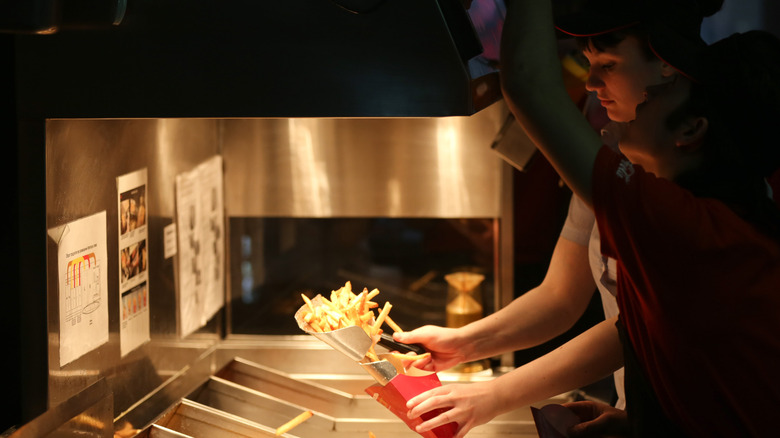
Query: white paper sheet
point(83, 286)
point(132, 202)
point(189, 289)
point(212, 236)
point(200, 230)
point(169, 240)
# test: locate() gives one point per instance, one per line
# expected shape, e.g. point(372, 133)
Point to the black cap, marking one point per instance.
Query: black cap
point(673, 27)
point(687, 56)
point(597, 17)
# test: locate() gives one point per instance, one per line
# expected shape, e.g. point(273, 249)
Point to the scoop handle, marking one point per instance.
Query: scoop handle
point(386, 340)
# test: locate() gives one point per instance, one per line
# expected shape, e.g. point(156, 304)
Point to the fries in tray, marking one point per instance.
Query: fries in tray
point(345, 309)
point(286, 427)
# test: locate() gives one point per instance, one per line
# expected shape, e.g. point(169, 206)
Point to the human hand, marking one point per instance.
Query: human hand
point(469, 405)
point(598, 420)
point(446, 350)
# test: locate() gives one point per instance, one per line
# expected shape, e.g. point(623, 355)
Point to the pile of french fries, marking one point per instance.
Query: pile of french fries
point(295, 422)
point(345, 309)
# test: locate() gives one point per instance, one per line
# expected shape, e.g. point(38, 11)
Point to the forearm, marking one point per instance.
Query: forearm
point(541, 313)
point(587, 358)
point(526, 322)
point(535, 93)
point(529, 51)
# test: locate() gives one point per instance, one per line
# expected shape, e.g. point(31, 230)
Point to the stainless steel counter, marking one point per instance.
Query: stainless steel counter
point(258, 386)
point(247, 387)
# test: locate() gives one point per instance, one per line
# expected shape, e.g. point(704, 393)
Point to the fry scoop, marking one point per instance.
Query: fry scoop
point(354, 342)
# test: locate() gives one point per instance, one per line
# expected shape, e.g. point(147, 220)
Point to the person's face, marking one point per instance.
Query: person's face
point(620, 75)
point(649, 140)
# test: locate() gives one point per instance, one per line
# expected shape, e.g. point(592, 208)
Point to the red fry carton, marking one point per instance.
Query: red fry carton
point(403, 387)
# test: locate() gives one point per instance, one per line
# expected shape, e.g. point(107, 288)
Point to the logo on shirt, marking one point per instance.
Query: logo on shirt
point(625, 170)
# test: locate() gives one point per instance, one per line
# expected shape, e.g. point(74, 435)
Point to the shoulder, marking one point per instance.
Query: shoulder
point(631, 204)
point(579, 221)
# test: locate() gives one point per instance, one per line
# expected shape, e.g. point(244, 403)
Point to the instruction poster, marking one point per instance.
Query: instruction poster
point(200, 229)
point(132, 198)
point(83, 286)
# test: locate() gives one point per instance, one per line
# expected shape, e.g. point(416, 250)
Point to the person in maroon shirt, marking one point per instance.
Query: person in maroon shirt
point(689, 221)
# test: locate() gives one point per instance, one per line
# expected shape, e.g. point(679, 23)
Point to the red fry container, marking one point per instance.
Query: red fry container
point(403, 387)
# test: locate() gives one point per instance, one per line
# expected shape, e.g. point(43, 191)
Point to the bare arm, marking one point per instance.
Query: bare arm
point(585, 359)
point(589, 357)
point(534, 90)
point(537, 316)
point(543, 312)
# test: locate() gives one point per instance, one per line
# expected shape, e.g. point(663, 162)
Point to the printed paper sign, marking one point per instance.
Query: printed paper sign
point(200, 228)
point(132, 197)
point(83, 286)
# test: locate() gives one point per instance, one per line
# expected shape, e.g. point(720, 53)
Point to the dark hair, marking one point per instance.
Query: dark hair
point(741, 100)
point(610, 40)
point(683, 17)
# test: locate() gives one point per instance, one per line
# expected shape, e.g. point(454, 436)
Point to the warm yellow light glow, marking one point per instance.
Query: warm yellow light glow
point(309, 177)
point(448, 145)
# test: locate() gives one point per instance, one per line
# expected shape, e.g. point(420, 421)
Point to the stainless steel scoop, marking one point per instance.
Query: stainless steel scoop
point(354, 342)
point(388, 367)
point(383, 371)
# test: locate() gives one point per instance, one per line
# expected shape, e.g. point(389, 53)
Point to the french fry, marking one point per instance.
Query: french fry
point(392, 324)
point(288, 426)
point(308, 302)
point(406, 356)
point(372, 294)
point(357, 300)
point(371, 356)
point(381, 319)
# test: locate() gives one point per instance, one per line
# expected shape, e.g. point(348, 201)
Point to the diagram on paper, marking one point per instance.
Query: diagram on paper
point(82, 288)
point(83, 285)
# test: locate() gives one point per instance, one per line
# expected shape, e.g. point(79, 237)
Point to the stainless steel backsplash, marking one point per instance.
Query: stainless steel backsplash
point(307, 167)
point(420, 167)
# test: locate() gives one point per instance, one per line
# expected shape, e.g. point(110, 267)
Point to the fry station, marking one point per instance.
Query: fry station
point(251, 367)
point(186, 172)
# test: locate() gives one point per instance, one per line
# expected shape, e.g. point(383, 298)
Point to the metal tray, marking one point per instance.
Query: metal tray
point(315, 396)
point(264, 409)
point(193, 419)
point(271, 397)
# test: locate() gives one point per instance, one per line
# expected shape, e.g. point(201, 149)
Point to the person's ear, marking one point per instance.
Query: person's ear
point(692, 132)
